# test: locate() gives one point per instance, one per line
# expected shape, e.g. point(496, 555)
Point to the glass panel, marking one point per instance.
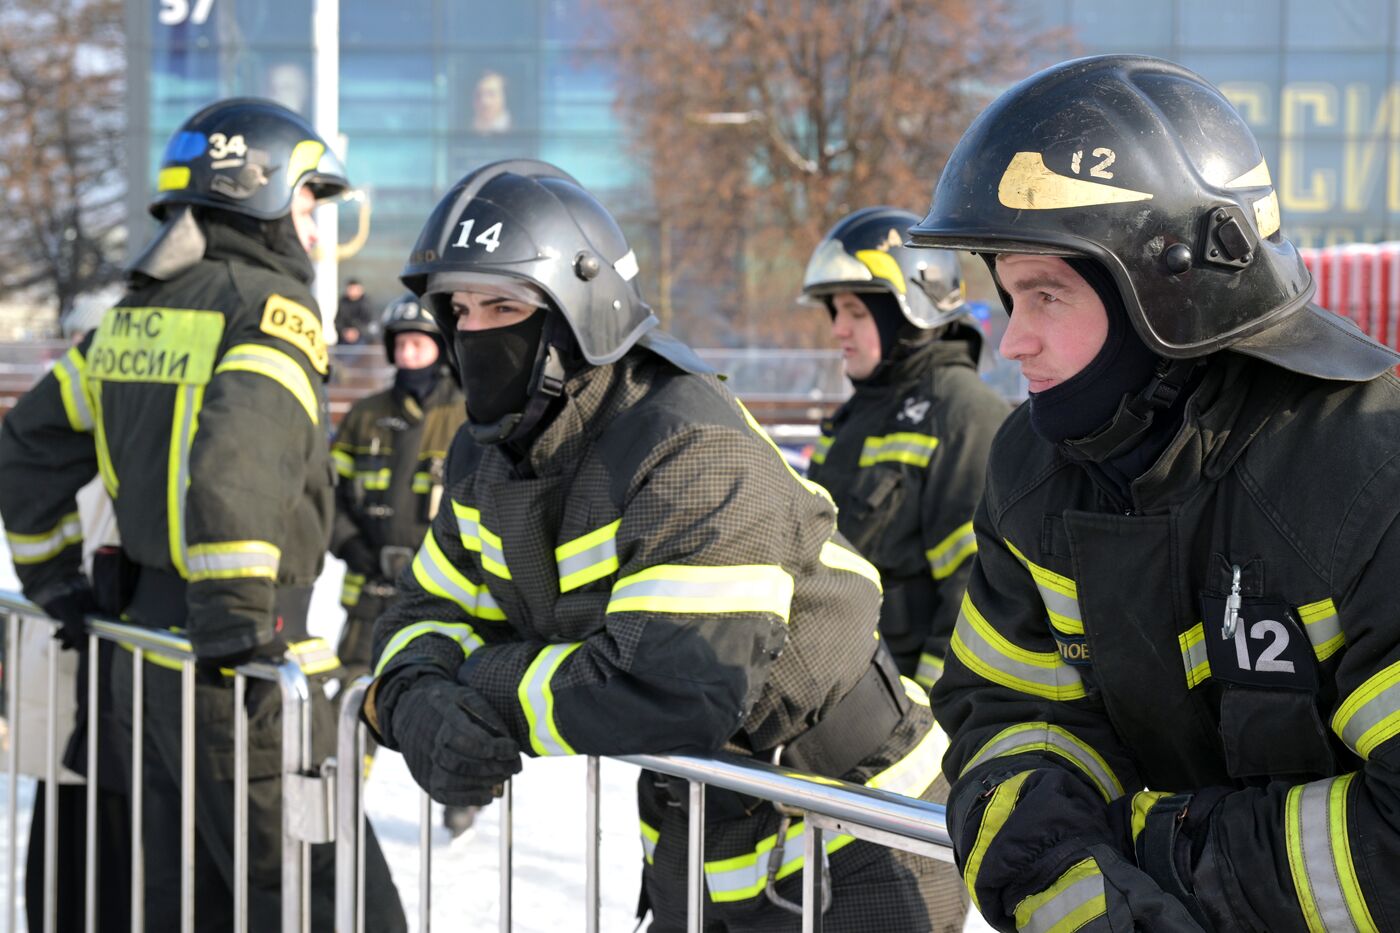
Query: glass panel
point(575, 22)
point(386, 90)
point(283, 76)
point(387, 161)
point(490, 22)
point(1338, 24)
point(491, 94)
point(600, 166)
point(465, 153)
point(1240, 24)
point(375, 22)
point(579, 93)
point(1114, 26)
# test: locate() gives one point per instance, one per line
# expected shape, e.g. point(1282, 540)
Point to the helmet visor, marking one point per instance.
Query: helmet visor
point(485, 283)
point(832, 269)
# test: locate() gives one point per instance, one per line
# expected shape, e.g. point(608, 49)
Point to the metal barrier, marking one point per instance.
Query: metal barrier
point(307, 789)
point(827, 806)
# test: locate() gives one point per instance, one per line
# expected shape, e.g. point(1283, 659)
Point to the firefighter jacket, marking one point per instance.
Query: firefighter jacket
point(904, 460)
point(1093, 639)
point(389, 457)
point(652, 578)
point(200, 401)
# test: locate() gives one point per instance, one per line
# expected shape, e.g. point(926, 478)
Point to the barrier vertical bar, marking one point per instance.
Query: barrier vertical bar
point(12, 675)
point(425, 862)
point(94, 648)
point(591, 850)
point(360, 835)
point(240, 803)
point(292, 684)
point(51, 793)
point(308, 766)
point(138, 792)
point(187, 718)
point(813, 867)
point(507, 841)
point(695, 877)
point(349, 826)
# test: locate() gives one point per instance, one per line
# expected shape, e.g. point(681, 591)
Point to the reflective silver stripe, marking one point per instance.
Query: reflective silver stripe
point(1323, 626)
point(1043, 736)
point(74, 393)
point(929, 670)
point(1077, 899)
point(1320, 859)
point(31, 549)
point(314, 656)
point(436, 580)
point(493, 558)
point(221, 561)
point(717, 590)
point(468, 525)
point(990, 655)
point(910, 448)
point(1193, 655)
point(537, 699)
point(1058, 592)
point(573, 569)
point(650, 836)
point(188, 406)
point(746, 876)
point(461, 633)
point(1370, 714)
point(950, 553)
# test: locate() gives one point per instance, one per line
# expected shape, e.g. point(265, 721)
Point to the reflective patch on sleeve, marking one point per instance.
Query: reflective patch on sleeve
point(46, 545)
point(71, 373)
point(838, 557)
point(228, 560)
point(588, 558)
point(314, 656)
point(350, 590)
point(436, 574)
point(422, 483)
point(987, 653)
point(650, 836)
point(822, 448)
point(1323, 627)
point(1320, 860)
point(901, 447)
point(536, 697)
point(277, 366)
point(949, 554)
point(681, 588)
point(929, 670)
point(994, 816)
point(1370, 715)
point(1193, 655)
point(1059, 593)
point(344, 463)
point(1046, 737)
point(1143, 802)
point(298, 325)
point(464, 635)
point(468, 525)
point(184, 422)
point(1076, 898)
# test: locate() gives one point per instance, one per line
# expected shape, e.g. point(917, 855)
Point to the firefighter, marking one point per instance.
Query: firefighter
point(625, 563)
point(1172, 689)
point(904, 457)
point(200, 402)
point(389, 455)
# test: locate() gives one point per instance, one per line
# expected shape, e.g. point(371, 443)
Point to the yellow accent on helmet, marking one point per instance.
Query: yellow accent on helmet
point(883, 266)
point(306, 156)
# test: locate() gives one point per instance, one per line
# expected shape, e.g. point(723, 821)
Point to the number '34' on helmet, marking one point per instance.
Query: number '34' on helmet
point(865, 252)
point(1145, 167)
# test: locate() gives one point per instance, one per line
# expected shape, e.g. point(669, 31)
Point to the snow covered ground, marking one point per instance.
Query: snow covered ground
point(549, 832)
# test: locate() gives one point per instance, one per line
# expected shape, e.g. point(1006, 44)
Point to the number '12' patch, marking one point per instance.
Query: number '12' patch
point(1268, 648)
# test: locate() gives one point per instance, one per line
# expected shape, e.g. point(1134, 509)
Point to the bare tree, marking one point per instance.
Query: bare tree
point(61, 103)
point(764, 122)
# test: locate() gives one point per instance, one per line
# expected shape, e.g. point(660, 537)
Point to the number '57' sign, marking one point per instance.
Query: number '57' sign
point(175, 12)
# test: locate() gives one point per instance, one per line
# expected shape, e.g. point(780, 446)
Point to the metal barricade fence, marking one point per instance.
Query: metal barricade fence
point(307, 789)
point(827, 806)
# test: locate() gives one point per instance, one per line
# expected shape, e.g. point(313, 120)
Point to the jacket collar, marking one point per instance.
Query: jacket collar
point(227, 243)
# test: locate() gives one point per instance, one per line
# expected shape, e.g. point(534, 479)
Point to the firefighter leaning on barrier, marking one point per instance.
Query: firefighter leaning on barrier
point(904, 457)
point(624, 563)
point(200, 402)
point(1173, 692)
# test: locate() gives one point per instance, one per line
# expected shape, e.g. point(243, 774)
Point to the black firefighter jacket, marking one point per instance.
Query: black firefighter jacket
point(389, 455)
point(200, 401)
point(1092, 639)
point(904, 459)
point(653, 579)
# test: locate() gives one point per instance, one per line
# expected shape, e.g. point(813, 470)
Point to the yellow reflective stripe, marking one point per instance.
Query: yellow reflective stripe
point(900, 447)
point(184, 421)
point(1047, 737)
point(1143, 802)
point(837, 557)
point(493, 558)
point(1076, 898)
point(374, 479)
point(468, 525)
point(71, 373)
point(1059, 593)
point(435, 573)
point(277, 366)
point(464, 635)
point(929, 670)
point(994, 817)
point(350, 589)
point(536, 697)
point(819, 451)
point(815, 489)
point(1320, 859)
point(948, 555)
point(422, 483)
point(37, 548)
point(1370, 715)
point(314, 656)
point(590, 557)
point(1323, 626)
point(650, 836)
point(227, 560)
point(99, 436)
point(344, 463)
point(913, 691)
point(1193, 654)
point(987, 653)
point(683, 588)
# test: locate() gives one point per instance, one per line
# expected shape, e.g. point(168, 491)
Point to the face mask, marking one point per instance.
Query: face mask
point(496, 366)
point(417, 382)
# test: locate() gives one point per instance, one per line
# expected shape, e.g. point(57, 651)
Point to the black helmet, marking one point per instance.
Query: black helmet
point(865, 252)
point(405, 314)
point(527, 221)
point(1145, 167)
point(247, 156)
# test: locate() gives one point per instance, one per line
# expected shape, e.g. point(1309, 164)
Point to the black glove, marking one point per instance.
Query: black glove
point(212, 669)
point(359, 557)
point(70, 603)
point(456, 747)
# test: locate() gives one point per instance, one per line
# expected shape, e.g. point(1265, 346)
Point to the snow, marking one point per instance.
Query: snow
point(549, 831)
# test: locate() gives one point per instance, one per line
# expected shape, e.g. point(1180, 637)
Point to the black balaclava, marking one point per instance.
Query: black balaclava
point(1085, 402)
point(279, 236)
point(898, 337)
point(418, 383)
point(496, 366)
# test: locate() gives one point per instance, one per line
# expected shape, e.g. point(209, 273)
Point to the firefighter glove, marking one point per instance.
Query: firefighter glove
point(455, 745)
point(70, 603)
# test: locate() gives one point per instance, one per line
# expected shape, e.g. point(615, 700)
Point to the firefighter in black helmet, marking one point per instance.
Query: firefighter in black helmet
point(1172, 690)
point(200, 401)
point(625, 563)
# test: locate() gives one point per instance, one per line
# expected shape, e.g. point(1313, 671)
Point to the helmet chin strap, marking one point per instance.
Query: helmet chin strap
point(1135, 413)
point(546, 384)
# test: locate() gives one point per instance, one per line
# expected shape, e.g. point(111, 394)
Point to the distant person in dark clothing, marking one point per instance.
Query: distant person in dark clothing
point(354, 315)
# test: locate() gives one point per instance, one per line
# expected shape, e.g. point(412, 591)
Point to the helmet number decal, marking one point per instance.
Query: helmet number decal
point(1099, 169)
point(226, 151)
point(489, 238)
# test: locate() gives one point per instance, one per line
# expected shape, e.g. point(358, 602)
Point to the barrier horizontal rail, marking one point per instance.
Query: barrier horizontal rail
point(827, 806)
point(299, 773)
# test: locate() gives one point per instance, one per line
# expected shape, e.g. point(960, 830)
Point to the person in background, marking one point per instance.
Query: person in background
point(354, 314)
